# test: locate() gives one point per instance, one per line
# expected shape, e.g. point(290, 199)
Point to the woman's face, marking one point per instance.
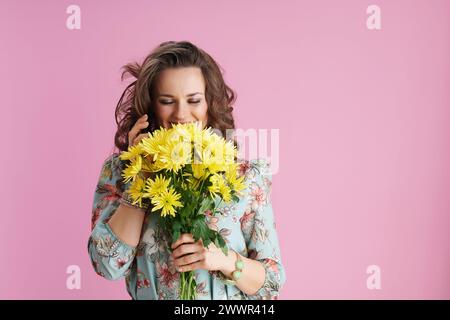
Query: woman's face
point(180, 97)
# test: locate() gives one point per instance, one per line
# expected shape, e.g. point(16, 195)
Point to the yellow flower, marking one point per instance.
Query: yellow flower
point(167, 201)
point(189, 133)
point(230, 152)
point(210, 159)
point(231, 175)
point(151, 144)
point(225, 192)
point(196, 133)
point(175, 155)
point(180, 133)
point(219, 186)
point(216, 153)
point(133, 152)
point(199, 171)
point(132, 170)
point(136, 191)
point(207, 136)
point(157, 186)
point(148, 165)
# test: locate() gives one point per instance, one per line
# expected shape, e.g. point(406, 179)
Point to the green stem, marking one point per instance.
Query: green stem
point(183, 287)
point(217, 206)
point(190, 284)
point(201, 186)
point(173, 177)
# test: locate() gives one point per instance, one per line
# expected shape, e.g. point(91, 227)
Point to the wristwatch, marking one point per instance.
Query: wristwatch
point(236, 274)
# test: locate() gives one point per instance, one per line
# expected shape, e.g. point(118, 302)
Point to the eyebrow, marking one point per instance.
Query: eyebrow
point(189, 95)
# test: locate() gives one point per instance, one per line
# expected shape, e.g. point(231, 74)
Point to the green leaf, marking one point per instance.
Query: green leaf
point(175, 236)
point(176, 230)
point(206, 242)
point(200, 228)
point(225, 250)
point(221, 241)
point(207, 203)
point(216, 242)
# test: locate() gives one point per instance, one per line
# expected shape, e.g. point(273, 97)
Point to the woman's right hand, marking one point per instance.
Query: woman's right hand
point(133, 136)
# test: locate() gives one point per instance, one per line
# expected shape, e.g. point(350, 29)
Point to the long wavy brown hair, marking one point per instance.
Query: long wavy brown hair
point(137, 99)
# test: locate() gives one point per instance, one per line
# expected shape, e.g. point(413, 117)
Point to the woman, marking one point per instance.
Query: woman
point(179, 83)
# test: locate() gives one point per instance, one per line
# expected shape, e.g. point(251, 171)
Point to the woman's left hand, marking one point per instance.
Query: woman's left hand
point(190, 255)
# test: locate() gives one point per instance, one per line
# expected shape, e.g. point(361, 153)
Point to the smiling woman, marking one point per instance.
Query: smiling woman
point(179, 96)
point(180, 83)
point(171, 81)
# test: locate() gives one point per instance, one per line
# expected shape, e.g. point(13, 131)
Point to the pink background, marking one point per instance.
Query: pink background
point(364, 119)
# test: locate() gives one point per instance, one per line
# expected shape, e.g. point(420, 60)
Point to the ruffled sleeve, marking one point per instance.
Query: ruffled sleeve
point(110, 256)
point(259, 230)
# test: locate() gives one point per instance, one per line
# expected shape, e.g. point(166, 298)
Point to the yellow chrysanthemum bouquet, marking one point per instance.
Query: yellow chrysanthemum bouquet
point(180, 172)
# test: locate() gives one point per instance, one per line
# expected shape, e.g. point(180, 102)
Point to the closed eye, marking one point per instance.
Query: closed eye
point(170, 102)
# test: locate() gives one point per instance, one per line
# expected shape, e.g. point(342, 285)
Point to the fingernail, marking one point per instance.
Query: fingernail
point(145, 116)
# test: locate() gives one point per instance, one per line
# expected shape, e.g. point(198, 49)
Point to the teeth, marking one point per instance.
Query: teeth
point(174, 123)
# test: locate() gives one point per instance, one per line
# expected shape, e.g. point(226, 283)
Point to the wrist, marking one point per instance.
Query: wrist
point(230, 264)
point(126, 199)
point(232, 269)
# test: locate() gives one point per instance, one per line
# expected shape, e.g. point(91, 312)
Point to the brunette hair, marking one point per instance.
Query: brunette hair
point(136, 100)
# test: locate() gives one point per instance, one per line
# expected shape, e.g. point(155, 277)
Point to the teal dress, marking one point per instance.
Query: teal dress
point(247, 226)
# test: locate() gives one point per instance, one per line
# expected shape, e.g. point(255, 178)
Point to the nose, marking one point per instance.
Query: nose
point(181, 113)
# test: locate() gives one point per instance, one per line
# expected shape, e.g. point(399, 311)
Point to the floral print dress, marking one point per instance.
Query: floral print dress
point(247, 226)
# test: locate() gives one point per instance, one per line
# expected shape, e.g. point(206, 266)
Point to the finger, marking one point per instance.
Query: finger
point(141, 121)
point(135, 130)
point(139, 138)
point(184, 238)
point(192, 266)
point(186, 249)
point(188, 259)
point(142, 118)
point(137, 127)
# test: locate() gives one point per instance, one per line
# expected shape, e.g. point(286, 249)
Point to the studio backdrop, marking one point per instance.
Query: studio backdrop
point(350, 97)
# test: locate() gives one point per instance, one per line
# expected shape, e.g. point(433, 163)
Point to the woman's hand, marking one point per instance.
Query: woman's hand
point(133, 136)
point(190, 255)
